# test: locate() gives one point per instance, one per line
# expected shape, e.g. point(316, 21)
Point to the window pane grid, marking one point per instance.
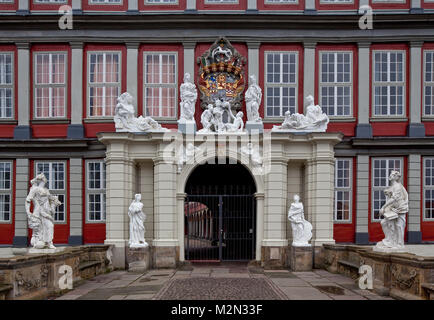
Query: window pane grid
point(6, 85)
point(160, 84)
point(281, 83)
point(55, 174)
point(343, 187)
point(5, 191)
point(104, 76)
point(389, 83)
point(335, 83)
point(429, 83)
point(96, 197)
point(428, 186)
point(380, 181)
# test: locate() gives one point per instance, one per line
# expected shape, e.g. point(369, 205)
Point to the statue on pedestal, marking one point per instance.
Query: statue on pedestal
point(188, 99)
point(253, 100)
point(125, 121)
point(301, 228)
point(41, 221)
point(137, 220)
point(314, 120)
point(393, 215)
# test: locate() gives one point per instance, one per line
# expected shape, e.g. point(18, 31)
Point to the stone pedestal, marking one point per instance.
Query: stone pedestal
point(301, 258)
point(254, 127)
point(138, 259)
point(44, 251)
point(187, 127)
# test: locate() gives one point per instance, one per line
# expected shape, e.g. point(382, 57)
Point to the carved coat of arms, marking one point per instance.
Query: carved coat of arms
point(221, 75)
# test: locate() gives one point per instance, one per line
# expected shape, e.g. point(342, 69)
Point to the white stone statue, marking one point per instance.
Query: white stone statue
point(301, 228)
point(188, 99)
point(41, 221)
point(314, 120)
point(207, 119)
point(137, 220)
point(212, 119)
point(253, 152)
point(253, 98)
point(185, 155)
point(237, 125)
point(393, 215)
point(125, 121)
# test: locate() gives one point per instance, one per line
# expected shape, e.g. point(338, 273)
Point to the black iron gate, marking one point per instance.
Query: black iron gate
point(220, 227)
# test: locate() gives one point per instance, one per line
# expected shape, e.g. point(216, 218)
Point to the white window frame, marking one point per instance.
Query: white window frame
point(102, 84)
point(50, 85)
point(348, 189)
point(96, 191)
point(221, 2)
point(380, 188)
point(56, 192)
point(336, 2)
point(160, 85)
point(49, 1)
point(147, 2)
point(105, 3)
point(335, 83)
point(389, 1)
point(281, 84)
point(389, 83)
point(425, 187)
point(8, 191)
point(10, 86)
point(428, 83)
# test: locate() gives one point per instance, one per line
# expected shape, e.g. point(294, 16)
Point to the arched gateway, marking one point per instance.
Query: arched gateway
point(220, 213)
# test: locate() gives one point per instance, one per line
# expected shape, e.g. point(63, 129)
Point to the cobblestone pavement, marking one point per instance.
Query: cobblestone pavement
point(220, 282)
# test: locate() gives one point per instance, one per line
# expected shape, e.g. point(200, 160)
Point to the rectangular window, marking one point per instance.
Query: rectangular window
point(335, 83)
point(281, 1)
point(6, 85)
point(5, 191)
point(50, 84)
point(389, 83)
point(55, 172)
point(428, 188)
point(105, 1)
point(336, 1)
point(160, 84)
point(50, 1)
point(96, 195)
point(161, 1)
point(281, 74)
point(343, 189)
point(428, 88)
point(221, 1)
point(381, 168)
point(104, 83)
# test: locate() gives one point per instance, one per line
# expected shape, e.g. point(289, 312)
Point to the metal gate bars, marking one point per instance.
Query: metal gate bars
point(220, 227)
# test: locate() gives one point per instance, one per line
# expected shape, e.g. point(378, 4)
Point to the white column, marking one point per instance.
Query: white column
point(364, 129)
point(251, 5)
point(259, 224)
point(362, 200)
point(76, 5)
point(415, 127)
point(22, 179)
point(23, 130)
point(309, 6)
point(133, 5)
point(132, 70)
point(415, 177)
point(416, 6)
point(120, 181)
point(23, 5)
point(76, 201)
point(76, 129)
point(309, 69)
point(180, 199)
point(191, 5)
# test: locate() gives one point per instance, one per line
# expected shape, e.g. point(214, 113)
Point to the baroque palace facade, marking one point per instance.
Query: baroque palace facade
point(59, 88)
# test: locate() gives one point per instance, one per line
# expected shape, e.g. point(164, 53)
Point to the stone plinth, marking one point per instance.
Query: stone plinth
point(44, 251)
point(138, 259)
point(253, 127)
point(301, 258)
point(187, 127)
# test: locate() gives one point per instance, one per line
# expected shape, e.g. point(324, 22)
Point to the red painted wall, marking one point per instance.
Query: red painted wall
point(345, 232)
point(199, 50)
point(92, 232)
point(61, 231)
point(7, 230)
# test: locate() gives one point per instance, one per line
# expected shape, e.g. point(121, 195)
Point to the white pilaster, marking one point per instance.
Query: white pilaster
point(132, 69)
point(309, 70)
point(189, 58)
point(364, 129)
point(253, 56)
